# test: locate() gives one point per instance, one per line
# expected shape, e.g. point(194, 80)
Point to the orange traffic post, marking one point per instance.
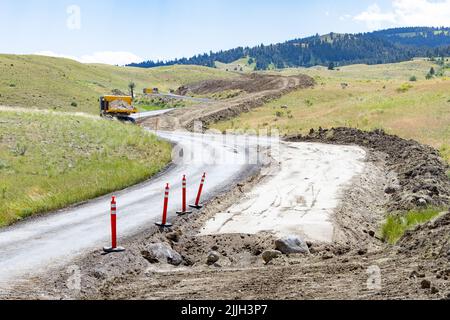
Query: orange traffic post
point(163, 223)
point(200, 189)
point(114, 247)
point(183, 198)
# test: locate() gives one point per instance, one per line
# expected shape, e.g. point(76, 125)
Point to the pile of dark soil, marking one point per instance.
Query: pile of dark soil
point(421, 172)
point(249, 83)
point(260, 89)
point(252, 91)
point(430, 240)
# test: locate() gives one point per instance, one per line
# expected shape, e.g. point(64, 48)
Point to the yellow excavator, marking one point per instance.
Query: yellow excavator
point(119, 107)
point(151, 91)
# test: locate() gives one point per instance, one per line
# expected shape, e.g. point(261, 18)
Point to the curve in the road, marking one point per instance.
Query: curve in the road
point(52, 240)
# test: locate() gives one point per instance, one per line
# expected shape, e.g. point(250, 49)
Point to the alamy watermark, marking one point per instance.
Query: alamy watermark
point(73, 282)
point(73, 21)
point(213, 147)
point(374, 279)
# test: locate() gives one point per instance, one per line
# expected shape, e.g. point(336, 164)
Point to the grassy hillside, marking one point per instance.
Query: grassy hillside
point(50, 160)
point(394, 72)
point(66, 85)
point(241, 65)
point(364, 97)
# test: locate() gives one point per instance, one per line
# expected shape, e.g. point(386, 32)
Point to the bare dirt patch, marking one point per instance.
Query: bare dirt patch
point(421, 173)
point(248, 83)
point(258, 89)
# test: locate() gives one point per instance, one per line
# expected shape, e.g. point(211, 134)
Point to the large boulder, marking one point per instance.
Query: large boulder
point(292, 245)
point(162, 253)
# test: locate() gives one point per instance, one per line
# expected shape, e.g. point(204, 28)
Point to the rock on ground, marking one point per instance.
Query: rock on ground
point(269, 255)
point(162, 253)
point(292, 245)
point(213, 257)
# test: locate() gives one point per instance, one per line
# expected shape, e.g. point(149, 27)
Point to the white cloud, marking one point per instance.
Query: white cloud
point(345, 17)
point(111, 57)
point(408, 13)
point(106, 57)
point(53, 54)
point(374, 18)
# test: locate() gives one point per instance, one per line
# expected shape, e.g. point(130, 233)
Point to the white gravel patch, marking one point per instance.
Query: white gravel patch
point(299, 197)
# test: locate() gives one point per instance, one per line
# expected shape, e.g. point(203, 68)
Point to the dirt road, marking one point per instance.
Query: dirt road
point(37, 244)
point(357, 265)
point(256, 90)
point(373, 173)
point(254, 232)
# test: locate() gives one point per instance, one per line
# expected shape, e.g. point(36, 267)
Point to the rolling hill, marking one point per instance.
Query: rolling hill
point(363, 97)
point(66, 85)
point(379, 47)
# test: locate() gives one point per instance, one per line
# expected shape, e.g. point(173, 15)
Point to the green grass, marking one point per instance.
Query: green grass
point(364, 97)
point(51, 160)
point(401, 71)
point(69, 86)
point(145, 103)
point(396, 225)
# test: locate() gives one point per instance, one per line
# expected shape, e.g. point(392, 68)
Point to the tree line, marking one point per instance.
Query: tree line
point(385, 46)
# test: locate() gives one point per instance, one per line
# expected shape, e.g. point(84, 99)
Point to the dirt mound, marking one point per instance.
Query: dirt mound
point(121, 105)
point(262, 89)
point(254, 91)
point(430, 240)
point(248, 83)
point(421, 173)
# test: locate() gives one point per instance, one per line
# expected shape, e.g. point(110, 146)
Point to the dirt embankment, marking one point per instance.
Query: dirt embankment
point(258, 89)
point(421, 173)
point(248, 83)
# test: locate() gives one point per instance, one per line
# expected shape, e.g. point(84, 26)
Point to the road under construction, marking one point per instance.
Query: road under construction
point(326, 190)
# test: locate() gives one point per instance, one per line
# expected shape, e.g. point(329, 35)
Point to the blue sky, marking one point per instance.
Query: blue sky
point(115, 31)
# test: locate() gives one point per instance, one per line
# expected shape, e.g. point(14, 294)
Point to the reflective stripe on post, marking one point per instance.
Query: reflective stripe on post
point(184, 198)
point(113, 223)
point(114, 247)
point(184, 193)
point(164, 223)
point(200, 190)
point(166, 205)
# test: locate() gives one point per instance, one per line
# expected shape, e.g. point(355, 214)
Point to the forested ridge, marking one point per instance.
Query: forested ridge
point(385, 46)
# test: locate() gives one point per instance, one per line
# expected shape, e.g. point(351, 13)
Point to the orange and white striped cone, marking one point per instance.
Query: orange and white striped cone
point(114, 247)
point(184, 203)
point(163, 223)
point(200, 189)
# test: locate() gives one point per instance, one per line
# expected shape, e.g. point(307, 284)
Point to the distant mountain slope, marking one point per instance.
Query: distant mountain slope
point(385, 46)
point(416, 36)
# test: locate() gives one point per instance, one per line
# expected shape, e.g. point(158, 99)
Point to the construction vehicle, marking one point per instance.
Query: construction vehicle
point(151, 91)
point(119, 107)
